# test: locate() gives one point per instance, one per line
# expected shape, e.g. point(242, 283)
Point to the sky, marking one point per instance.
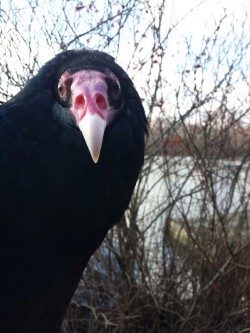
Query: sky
point(194, 20)
point(195, 17)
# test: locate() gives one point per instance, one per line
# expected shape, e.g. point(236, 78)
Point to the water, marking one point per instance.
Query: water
point(180, 189)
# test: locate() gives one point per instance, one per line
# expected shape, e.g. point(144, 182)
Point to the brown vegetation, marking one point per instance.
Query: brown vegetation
point(180, 260)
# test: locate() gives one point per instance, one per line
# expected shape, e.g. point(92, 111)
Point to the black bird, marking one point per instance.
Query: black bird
point(71, 148)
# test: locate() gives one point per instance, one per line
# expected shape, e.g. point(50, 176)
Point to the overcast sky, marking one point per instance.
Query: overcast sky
point(196, 20)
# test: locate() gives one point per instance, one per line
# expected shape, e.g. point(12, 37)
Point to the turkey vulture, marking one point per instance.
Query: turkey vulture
point(71, 148)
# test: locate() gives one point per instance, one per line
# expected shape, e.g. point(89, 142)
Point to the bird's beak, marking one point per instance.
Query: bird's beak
point(92, 127)
point(90, 108)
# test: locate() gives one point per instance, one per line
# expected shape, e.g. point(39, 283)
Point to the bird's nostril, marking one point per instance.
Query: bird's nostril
point(79, 101)
point(101, 102)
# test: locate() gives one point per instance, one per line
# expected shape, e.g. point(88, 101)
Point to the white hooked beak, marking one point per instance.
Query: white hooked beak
point(92, 127)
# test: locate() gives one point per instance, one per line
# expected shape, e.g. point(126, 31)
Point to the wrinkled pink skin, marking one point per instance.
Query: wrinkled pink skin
point(91, 97)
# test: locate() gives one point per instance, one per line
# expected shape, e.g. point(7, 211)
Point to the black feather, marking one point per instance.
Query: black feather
point(56, 205)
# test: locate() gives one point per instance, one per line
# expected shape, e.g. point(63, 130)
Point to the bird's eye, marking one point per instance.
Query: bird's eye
point(116, 89)
point(61, 89)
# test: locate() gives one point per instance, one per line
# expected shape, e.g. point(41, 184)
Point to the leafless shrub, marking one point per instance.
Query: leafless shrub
point(180, 259)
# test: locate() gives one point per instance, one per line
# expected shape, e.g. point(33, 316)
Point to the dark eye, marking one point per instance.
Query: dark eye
point(61, 89)
point(116, 89)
